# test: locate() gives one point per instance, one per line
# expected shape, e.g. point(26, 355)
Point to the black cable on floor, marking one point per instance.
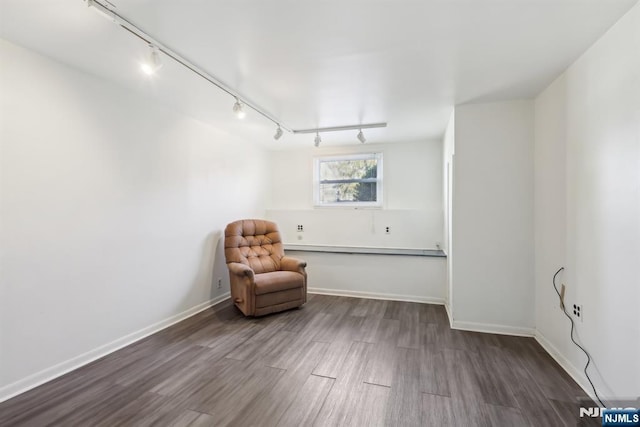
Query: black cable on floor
point(564, 310)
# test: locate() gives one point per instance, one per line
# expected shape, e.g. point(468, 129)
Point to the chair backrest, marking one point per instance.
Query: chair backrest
point(254, 242)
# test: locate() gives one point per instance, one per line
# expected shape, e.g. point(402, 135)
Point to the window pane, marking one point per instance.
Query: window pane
point(349, 180)
point(348, 192)
point(348, 169)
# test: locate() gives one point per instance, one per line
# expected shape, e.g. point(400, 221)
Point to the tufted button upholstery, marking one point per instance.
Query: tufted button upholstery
point(255, 243)
point(263, 279)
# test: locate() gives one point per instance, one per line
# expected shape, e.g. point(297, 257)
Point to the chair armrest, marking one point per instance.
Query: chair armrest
point(288, 263)
point(240, 269)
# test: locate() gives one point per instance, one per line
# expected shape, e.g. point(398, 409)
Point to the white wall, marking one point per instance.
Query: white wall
point(587, 156)
point(412, 200)
point(398, 277)
point(412, 207)
point(111, 211)
point(492, 213)
point(412, 174)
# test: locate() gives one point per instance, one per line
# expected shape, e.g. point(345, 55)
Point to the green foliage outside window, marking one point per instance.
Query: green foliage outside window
point(348, 180)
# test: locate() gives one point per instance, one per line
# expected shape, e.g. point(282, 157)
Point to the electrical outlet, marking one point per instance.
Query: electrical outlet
point(387, 230)
point(219, 283)
point(578, 312)
point(300, 228)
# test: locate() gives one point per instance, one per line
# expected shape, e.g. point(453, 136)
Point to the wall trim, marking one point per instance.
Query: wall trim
point(376, 295)
point(48, 374)
point(449, 316)
point(575, 373)
point(492, 328)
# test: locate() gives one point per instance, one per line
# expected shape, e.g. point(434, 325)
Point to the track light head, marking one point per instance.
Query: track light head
point(238, 109)
point(278, 134)
point(317, 140)
point(361, 137)
point(153, 63)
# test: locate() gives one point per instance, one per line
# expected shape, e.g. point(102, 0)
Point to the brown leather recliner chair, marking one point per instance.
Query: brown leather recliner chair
point(263, 279)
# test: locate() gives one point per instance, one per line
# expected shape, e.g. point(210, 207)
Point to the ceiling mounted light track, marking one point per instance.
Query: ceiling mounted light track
point(106, 9)
point(341, 128)
point(361, 137)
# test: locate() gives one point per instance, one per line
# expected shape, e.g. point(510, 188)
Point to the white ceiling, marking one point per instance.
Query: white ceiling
point(327, 62)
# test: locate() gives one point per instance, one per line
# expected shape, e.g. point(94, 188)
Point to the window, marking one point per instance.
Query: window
point(354, 180)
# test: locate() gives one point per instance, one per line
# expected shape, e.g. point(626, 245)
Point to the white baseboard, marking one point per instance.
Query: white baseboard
point(448, 310)
point(575, 373)
point(492, 328)
point(60, 369)
point(376, 295)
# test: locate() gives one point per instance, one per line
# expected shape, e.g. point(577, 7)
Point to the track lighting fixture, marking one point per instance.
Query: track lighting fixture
point(152, 63)
point(278, 134)
point(239, 110)
point(361, 137)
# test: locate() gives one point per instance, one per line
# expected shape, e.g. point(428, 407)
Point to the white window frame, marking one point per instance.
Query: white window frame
point(362, 156)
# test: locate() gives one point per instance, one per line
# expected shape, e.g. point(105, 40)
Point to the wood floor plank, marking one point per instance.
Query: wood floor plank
point(506, 416)
point(462, 381)
point(568, 414)
point(343, 328)
point(266, 352)
point(191, 378)
point(379, 369)
point(381, 364)
point(306, 405)
point(550, 378)
point(190, 418)
point(333, 360)
point(393, 310)
point(493, 377)
point(147, 410)
point(526, 392)
point(302, 338)
point(382, 331)
point(340, 335)
point(371, 308)
point(48, 395)
point(470, 412)
point(227, 400)
point(370, 406)
point(432, 313)
point(404, 406)
point(273, 404)
point(436, 410)
point(410, 326)
point(343, 394)
point(92, 398)
point(156, 371)
point(434, 373)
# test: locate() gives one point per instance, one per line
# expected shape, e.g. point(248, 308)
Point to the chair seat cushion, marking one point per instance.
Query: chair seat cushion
point(276, 281)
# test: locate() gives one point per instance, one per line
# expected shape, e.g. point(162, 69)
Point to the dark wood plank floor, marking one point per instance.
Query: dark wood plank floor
point(336, 361)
